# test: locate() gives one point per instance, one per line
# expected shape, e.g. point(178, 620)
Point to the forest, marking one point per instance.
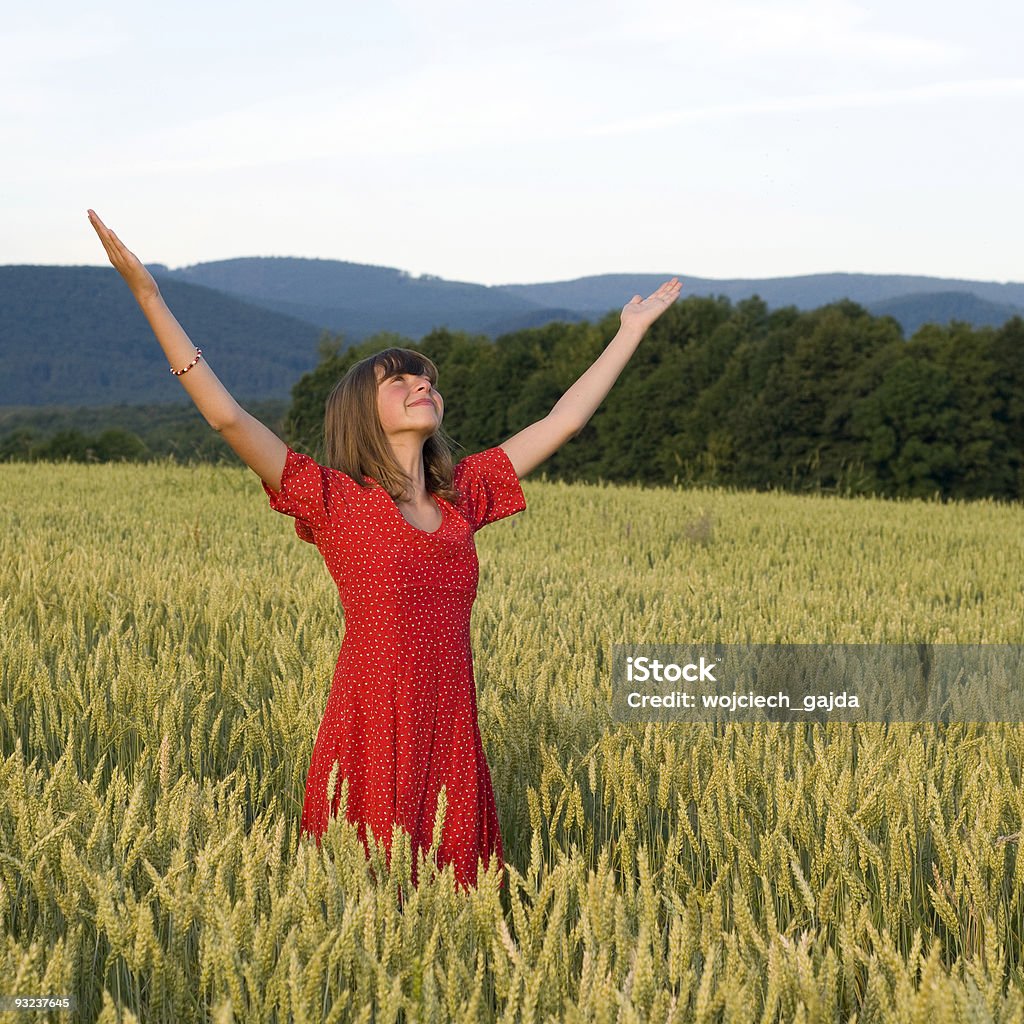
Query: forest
point(831, 400)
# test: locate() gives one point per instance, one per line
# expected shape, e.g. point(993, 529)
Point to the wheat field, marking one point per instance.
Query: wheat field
point(168, 644)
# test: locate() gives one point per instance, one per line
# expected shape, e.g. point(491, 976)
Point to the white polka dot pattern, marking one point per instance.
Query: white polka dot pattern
point(401, 716)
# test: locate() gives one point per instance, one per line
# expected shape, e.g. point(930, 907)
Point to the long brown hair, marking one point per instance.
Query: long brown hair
point(355, 442)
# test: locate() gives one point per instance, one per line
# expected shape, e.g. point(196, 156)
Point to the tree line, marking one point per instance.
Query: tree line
point(828, 400)
point(115, 433)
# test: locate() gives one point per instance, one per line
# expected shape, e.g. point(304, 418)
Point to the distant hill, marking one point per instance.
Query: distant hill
point(74, 335)
point(912, 311)
point(606, 291)
point(359, 300)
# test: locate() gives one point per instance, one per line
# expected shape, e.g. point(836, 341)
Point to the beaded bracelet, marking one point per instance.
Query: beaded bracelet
point(199, 355)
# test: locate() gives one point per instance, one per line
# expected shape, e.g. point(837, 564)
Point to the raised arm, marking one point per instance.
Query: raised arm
point(539, 441)
point(259, 447)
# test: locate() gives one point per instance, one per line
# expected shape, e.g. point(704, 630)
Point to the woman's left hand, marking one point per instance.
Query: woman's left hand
point(641, 313)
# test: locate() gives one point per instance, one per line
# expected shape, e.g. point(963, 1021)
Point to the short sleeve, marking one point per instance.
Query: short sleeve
point(306, 493)
point(488, 487)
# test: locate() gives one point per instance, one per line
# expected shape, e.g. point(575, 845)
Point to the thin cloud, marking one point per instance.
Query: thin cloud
point(815, 30)
point(427, 111)
point(1000, 88)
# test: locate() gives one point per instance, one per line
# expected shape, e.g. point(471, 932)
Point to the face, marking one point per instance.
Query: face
point(408, 403)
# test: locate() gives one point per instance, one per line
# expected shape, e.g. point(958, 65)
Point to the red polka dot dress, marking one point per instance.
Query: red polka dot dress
point(401, 715)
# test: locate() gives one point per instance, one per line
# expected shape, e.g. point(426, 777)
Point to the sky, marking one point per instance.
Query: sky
point(520, 142)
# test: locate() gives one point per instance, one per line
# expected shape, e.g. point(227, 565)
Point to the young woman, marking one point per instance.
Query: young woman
point(394, 521)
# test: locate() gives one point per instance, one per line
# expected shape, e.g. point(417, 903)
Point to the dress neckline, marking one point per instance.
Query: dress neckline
point(426, 533)
point(439, 502)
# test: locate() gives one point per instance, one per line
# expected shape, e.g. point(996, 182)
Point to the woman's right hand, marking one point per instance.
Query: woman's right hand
point(125, 262)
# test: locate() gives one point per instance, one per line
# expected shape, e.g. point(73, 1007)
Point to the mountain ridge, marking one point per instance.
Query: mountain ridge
point(301, 287)
point(75, 335)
